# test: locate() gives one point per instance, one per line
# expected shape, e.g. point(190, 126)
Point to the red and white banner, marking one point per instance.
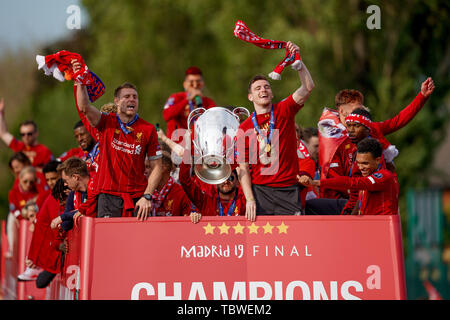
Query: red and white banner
point(230, 258)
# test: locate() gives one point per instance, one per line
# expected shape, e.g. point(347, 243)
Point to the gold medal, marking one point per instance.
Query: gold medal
point(268, 148)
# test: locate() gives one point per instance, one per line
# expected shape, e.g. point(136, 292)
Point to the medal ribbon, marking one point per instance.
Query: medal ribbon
point(93, 153)
point(123, 126)
point(230, 209)
point(272, 126)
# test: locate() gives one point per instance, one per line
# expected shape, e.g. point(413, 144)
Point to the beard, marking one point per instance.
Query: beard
point(220, 190)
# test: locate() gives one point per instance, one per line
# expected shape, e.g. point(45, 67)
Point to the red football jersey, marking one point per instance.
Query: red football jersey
point(177, 109)
point(44, 247)
point(175, 203)
point(340, 165)
point(18, 198)
point(378, 193)
point(282, 165)
point(38, 154)
point(74, 152)
point(122, 156)
point(384, 127)
point(208, 204)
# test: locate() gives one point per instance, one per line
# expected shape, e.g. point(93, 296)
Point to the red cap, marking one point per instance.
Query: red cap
point(193, 70)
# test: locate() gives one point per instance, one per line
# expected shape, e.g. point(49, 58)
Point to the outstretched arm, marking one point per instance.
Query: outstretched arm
point(82, 99)
point(175, 147)
point(307, 83)
point(4, 133)
point(409, 112)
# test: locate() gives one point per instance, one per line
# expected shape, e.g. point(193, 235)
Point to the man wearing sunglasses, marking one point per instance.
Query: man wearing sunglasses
point(38, 153)
point(226, 200)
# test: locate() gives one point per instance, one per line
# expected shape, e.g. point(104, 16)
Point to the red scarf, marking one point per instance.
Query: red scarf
point(159, 197)
point(60, 66)
point(242, 32)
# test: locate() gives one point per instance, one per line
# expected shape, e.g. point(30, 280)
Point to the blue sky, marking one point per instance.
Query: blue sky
point(30, 23)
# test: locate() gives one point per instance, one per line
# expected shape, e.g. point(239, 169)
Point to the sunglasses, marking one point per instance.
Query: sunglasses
point(231, 178)
point(23, 134)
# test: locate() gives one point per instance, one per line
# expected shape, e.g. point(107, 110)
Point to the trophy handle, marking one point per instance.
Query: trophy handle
point(241, 113)
point(194, 115)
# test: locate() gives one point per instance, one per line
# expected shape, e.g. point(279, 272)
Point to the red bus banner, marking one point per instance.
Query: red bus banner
point(231, 258)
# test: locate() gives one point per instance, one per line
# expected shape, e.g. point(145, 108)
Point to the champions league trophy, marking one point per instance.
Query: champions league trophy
point(214, 138)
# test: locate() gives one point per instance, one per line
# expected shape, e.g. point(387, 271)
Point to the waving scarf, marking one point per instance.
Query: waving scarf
point(60, 66)
point(242, 32)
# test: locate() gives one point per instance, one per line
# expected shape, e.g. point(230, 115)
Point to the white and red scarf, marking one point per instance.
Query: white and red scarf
point(242, 32)
point(331, 134)
point(60, 66)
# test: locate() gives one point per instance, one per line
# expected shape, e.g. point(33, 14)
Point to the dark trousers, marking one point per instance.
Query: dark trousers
point(324, 206)
point(44, 278)
point(111, 206)
point(277, 201)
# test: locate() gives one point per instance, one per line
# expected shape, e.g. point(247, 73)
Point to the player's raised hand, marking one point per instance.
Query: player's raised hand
point(292, 47)
point(427, 87)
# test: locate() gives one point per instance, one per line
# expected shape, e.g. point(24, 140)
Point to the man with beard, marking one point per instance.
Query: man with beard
point(126, 141)
point(227, 199)
point(85, 142)
point(267, 145)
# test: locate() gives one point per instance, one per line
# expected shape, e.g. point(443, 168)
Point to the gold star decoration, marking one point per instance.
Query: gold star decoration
point(253, 228)
point(209, 229)
point(223, 228)
point(282, 228)
point(238, 228)
point(268, 228)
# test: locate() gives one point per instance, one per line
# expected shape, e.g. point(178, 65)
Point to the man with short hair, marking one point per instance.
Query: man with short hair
point(51, 173)
point(180, 104)
point(126, 140)
point(38, 153)
point(169, 198)
point(75, 175)
point(333, 133)
point(267, 146)
point(377, 188)
point(85, 143)
point(342, 201)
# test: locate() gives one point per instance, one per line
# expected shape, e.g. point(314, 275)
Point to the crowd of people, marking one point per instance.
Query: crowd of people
point(124, 166)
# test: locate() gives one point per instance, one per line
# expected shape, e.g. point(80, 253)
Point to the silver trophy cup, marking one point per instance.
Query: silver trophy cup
point(214, 137)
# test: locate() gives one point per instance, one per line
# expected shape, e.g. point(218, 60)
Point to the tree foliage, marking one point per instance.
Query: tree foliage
point(151, 43)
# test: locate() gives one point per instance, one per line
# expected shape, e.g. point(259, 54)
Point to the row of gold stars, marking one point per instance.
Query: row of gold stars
point(239, 229)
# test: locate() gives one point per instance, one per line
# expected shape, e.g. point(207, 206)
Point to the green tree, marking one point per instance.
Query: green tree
point(151, 43)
